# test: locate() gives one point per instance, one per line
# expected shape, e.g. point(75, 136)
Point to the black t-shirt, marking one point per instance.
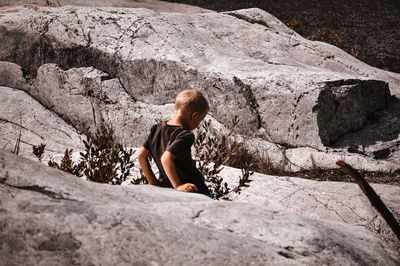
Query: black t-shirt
point(178, 141)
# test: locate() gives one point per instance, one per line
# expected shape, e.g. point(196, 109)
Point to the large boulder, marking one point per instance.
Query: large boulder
point(150, 4)
point(88, 95)
point(331, 201)
point(25, 123)
point(51, 217)
point(367, 29)
point(274, 83)
point(286, 90)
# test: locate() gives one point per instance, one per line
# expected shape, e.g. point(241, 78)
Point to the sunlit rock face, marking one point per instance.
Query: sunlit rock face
point(367, 29)
point(288, 92)
point(332, 201)
point(304, 104)
point(51, 217)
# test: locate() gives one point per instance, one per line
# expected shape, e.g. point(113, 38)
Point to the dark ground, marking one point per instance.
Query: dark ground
point(338, 175)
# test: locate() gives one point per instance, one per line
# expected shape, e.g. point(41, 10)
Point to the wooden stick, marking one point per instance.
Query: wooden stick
point(372, 196)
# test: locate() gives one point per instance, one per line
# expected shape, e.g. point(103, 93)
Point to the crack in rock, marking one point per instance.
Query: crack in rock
point(197, 214)
point(21, 126)
point(39, 189)
point(250, 98)
point(326, 205)
point(248, 19)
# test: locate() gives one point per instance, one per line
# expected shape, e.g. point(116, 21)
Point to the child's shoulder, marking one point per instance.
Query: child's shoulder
point(164, 128)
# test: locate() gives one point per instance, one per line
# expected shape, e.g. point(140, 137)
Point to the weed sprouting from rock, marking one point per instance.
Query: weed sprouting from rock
point(104, 159)
point(68, 165)
point(18, 141)
point(295, 25)
point(212, 152)
point(38, 150)
point(326, 35)
point(140, 180)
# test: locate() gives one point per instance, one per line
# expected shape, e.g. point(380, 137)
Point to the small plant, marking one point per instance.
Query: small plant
point(17, 144)
point(294, 24)
point(384, 60)
point(68, 165)
point(245, 178)
point(211, 153)
point(18, 141)
point(141, 180)
point(326, 35)
point(104, 160)
point(355, 50)
point(38, 150)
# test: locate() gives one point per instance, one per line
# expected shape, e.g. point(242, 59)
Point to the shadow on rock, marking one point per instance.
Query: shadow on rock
point(382, 126)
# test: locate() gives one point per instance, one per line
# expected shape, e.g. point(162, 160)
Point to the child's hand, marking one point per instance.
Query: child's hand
point(187, 187)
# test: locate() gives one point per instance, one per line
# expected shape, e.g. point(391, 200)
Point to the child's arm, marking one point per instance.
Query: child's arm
point(167, 161)
point(145, 165)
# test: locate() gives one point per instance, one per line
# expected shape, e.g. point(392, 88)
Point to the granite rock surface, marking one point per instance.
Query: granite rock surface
point(325, 200)
point(49, 216)
point(369, 29)
point(286, 90)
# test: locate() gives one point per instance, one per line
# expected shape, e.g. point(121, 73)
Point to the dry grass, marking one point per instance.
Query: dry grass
point(261, 163)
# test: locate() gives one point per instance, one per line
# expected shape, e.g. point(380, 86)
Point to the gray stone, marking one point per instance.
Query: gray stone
point(371, 26)
point(51, 217)
point(160, 6)
point(86, 95)
point(11, 76)
point(250, 82)
point(291, 92)
point(71, 94)
point(332, 201)
point(23, 117)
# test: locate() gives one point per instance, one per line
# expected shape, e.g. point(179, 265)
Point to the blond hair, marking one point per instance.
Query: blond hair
point(191, 100)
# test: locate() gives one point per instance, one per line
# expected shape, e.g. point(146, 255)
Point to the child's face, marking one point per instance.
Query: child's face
point(195, 120)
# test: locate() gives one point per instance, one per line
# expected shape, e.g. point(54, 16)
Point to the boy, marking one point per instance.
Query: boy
point(169, 143)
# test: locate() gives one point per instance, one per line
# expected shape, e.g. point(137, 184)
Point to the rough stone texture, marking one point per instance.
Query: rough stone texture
point(86, 94)
point(297, 159)
point(59, 89)
point(11, 76)
point(150, 4)
point(379, 139)
point(373, 25)
point(51, 217)
point(21, 114)
point(167, 61)
point(346, 105)
point(286, 90)
point(332, 201)
point(71, 94)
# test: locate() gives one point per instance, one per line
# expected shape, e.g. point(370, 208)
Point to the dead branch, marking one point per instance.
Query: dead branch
point(372, 196)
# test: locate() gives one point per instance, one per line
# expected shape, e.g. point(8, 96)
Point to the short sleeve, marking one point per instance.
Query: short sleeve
point(146, 144)
point(181, 145)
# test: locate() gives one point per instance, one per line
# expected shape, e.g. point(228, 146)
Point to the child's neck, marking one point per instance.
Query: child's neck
point(177, 120)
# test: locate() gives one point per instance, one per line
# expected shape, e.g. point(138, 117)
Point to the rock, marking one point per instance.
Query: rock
point(160, 6)
point(70, 94)
point(87, 95)
point(11, 76)
point(131, 119)
point(23, 117)
point(331, 201)
point(49, 216)
point(381, 134)
point(287, 90)
point(351, 21)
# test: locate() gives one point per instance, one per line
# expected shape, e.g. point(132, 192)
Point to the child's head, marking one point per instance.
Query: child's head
point(193, 107)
